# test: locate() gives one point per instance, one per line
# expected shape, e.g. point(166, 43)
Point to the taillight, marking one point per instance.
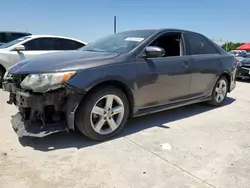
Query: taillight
point(236, 62)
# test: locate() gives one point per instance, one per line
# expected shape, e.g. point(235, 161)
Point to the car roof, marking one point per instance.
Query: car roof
point(164, 29)
point(56, 36)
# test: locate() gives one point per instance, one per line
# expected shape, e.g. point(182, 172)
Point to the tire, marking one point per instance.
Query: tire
point(87, 120)
point(2, 72)
point(222, 92)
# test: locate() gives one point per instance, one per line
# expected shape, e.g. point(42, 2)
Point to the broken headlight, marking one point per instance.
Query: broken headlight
point(45, 82)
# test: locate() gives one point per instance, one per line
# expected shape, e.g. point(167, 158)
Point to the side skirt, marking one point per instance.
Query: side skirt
point(160, 108)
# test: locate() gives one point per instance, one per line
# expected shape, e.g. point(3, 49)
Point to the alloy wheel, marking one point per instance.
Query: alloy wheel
point(220, 91)
point(107, 114)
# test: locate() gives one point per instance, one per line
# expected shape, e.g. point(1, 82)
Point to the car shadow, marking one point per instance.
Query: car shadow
point(65, 140)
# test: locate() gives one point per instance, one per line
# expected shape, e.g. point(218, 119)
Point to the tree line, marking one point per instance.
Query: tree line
point(228, 46)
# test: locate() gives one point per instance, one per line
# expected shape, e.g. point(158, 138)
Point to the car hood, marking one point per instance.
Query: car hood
point(245, 61)
point(61, 61)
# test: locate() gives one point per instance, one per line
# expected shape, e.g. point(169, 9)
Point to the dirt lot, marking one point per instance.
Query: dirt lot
point(194, 146)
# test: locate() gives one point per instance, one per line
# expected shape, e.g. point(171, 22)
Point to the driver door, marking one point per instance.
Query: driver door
point(164, 80)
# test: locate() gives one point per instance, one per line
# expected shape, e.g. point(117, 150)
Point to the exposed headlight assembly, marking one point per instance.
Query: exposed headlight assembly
point(46, 82)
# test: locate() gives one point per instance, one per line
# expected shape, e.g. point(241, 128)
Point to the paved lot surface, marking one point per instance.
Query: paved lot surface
point(200, 147)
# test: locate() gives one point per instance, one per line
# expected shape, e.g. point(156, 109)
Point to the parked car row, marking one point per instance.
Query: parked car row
point(97, 88)
point(33, 45)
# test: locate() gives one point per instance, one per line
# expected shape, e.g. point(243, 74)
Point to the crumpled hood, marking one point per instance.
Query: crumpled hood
point(61, 61)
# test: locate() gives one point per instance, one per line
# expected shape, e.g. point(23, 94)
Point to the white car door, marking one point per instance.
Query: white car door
point(37, 46)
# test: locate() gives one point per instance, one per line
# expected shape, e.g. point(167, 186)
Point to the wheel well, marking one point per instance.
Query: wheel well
point(2, 68)
point(125, 89)
point(228, 80)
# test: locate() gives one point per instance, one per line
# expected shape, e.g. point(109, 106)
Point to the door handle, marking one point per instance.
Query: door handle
point(185, 65)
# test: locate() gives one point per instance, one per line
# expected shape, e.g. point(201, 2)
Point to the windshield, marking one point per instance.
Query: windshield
point(120, 42)
point(6, 45)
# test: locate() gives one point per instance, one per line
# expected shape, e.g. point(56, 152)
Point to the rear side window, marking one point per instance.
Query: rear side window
point(40, 44)
point(199, 45)
point(66, 44)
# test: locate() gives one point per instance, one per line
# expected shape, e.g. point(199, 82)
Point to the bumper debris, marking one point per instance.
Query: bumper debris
point(42, 114)
point(24, 128)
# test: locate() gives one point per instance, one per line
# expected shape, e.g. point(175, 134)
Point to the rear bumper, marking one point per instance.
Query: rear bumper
point(41, 114)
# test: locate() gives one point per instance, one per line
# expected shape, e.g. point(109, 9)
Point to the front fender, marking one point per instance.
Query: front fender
point(87, 79)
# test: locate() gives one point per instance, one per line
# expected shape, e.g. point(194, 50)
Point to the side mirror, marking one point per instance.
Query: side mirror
point(154, 51)
point(19, 48)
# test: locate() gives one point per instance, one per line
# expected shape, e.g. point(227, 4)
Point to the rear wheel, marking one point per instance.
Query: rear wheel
point(103, 113)
point(219, 92)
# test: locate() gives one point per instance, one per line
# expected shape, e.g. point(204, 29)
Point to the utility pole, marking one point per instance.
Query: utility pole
point(114, 24)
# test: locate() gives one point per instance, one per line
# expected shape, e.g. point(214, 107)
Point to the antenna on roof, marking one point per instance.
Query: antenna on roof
point(26, 30)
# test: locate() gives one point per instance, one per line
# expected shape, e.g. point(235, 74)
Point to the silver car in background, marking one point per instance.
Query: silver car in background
point(243, 63)
point(33, 45)
point(239, 55)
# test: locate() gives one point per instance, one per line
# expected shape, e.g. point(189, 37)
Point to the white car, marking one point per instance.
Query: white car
point(33, 45)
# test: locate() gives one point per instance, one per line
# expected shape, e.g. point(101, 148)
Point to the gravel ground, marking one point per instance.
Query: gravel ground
point(194, 146)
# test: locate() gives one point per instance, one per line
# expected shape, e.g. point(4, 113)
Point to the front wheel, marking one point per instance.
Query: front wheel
point(103, 113)
point(219, 92)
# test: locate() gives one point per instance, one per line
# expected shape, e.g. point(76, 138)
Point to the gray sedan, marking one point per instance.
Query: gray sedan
point(128, 74)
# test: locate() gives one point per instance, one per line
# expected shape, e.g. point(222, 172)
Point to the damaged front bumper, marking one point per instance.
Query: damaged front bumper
point(41, 114)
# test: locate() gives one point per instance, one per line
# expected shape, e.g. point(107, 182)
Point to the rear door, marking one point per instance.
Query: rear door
point(205, 64)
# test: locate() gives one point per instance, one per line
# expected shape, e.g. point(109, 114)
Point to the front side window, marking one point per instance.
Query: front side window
point(66, 44)
point(199, 45)
point(39, 44)
point(171, 43)
point(122, 42)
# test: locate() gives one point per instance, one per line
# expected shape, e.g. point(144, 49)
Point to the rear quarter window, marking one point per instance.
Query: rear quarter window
point(66, 44)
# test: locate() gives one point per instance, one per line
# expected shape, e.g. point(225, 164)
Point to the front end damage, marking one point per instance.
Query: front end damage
point(41, 114)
